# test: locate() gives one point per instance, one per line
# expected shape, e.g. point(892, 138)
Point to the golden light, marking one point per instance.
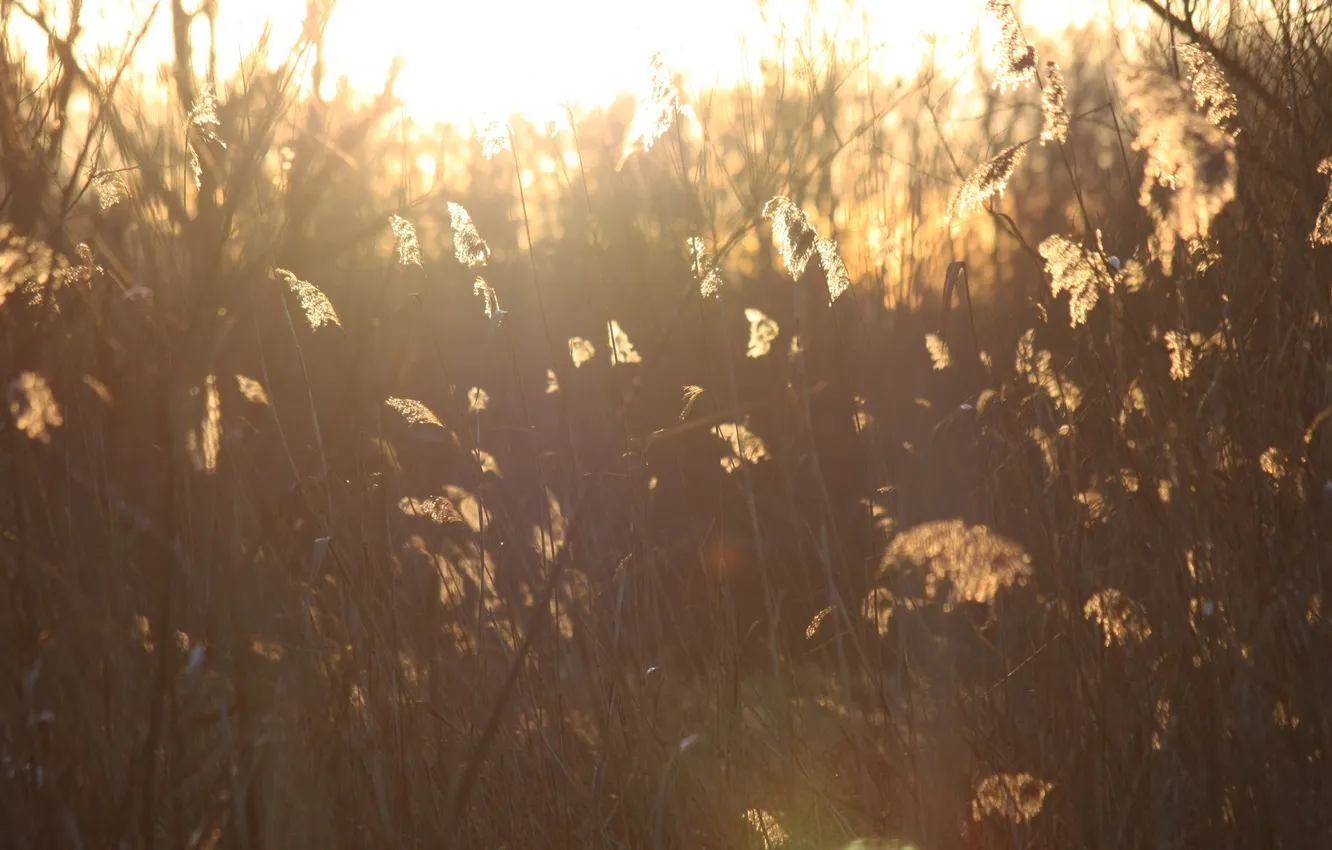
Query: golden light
point(463, 60)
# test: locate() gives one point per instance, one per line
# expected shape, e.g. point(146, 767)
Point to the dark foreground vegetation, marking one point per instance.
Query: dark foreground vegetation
point(550, 492)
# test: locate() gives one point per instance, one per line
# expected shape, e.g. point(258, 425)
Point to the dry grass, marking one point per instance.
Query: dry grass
point(414, 573)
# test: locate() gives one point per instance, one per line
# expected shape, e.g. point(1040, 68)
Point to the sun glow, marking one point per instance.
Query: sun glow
point(466, 60)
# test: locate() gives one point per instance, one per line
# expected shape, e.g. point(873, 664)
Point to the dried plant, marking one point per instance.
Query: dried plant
point(1036, 366)
point(657, 108)
point(314, 303)
point(769, 830)
point(580, 351)
point(1121, 619)
point(203, 115)
point(1181, 355)
point(488, 297)
point(437, 509)
point(762, 332)
point(477, 400)
point(940, 357)
point(26, 262)
point(705, 269)
point(878, 608)
point(110, 189)
point(974, 562)
point(745, 445)
point(552, 382)
point(987, 181)
point(1191, 169)
point(468, 246)
point(495, 138)
point(409, 250)
point(833, 267)
point(1077, 271)
point(792, 232)
point(34, 407)
point(691, 395)
point(1273, 462)
point(1018, 797)
point(413, 411)
point(1016, 59)
point(1322, 230)
point(622, 350)
point(1211, 92)
point(252, 390)
point(1054, 106)
point(205, 444)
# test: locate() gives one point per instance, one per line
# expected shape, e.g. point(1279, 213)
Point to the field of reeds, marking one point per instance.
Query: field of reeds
point(832, 462)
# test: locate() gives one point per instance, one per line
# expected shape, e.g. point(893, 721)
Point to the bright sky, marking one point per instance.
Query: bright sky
point(464, 59)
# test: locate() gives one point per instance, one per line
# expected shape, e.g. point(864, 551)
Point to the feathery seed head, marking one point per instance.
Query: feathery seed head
point(1076, 270)
point(494, 136)
point(413, 411)
point(110, 189)
point(1018, 797)
point(745, 445)
point(762, 332)
point(477, 400)
point(409, 250)
point(704, 267)
point(1054, 108)
point(833, 268)
point(622, 350)
point(938, 349)
point(656, 109)
point(34, 407)
point(580, 351)
point(488, 296)
point(203, 115)
point(1191, 169)
point(315, 304)
point(468, 246)
point(987, 181)
point(1211, 91)
point(1015, 57)
point(793, 232)
point(1121, 619)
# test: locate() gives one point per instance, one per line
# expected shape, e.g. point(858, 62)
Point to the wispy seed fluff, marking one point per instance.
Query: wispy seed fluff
point(704, 267)
point(1075, 270)
point(1016, 59)
point(494, 137)
point(622, 350)
point(987, 181)
point(940, 356)
point(203, 116)
point(468, 246)
point(798, 241)
point(1054, 106)
point(580, 351)
point(793, 233)
point(488, 296)
point(762, 332)
point(1016, 797)
point(110, 189)
point(1191, 170)
point(745, 445)
point(1211, 91)
point(314, 303)
point(656, 110)
point(409, 250)
point(34, 406)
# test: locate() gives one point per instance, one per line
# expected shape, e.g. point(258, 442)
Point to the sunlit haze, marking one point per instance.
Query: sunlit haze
point(466, 59)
